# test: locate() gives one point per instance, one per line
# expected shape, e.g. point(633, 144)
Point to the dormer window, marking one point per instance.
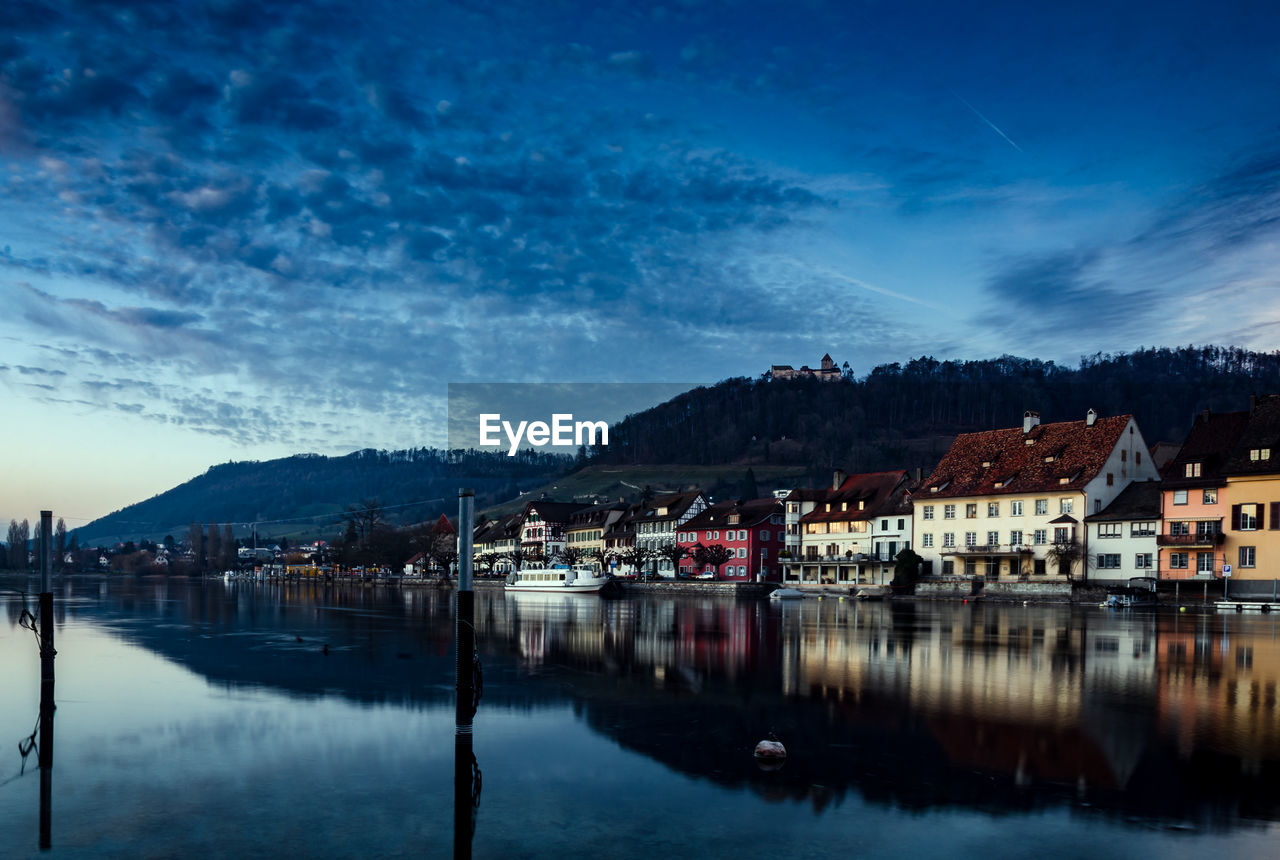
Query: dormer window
point(828, 504)
point(1049, 459)
point(1029, 441)
point(1192, 470)
point(844, 506)
point(861, 505)
point(986, 464)
point(1257, 454)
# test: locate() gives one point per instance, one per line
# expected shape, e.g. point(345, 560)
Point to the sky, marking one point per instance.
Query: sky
point(242, 230)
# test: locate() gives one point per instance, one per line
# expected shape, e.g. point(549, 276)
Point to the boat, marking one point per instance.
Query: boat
point(560, 579)
point(1141, 591)
point(786, 594)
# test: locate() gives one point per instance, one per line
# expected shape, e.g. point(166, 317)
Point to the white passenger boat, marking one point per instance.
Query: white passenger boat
point(560, 579)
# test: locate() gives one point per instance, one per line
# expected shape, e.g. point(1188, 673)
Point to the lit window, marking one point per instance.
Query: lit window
point(1210, 497)
point(1110, 530)
point(971, 511)
point(1191, 470)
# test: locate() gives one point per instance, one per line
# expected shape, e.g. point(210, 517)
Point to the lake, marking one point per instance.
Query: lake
point(257, 720)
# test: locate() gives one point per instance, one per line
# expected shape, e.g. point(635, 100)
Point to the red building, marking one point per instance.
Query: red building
point(753, 531)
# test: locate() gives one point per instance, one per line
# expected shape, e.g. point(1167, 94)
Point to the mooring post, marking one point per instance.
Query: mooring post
point(47, 654)
point(464, 760)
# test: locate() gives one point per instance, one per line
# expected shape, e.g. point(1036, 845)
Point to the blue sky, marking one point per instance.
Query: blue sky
point(242, 230)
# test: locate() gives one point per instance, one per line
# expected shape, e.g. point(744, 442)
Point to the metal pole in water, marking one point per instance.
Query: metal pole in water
point(47, 653)
point(464, 760)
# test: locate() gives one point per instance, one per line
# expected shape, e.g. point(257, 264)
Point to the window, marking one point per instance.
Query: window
point(1206, 528)
point(1248, 518)
point(1191, 470)
point(971, 510)
point(1210, 497)
point(1248, 556)
point(948, 512)
point(1257, 454)
point(993, 509)
point(1039, 567)
point(1142, 529)
point(1015, 538)
point(948, 568)
point(1137, 457)
point(993, 538)
point(1178, 560)
point(1179, 528)
point(926, 541)
point(1204, 562)
point(1042, 507)
point(970, 567)
point(928, 512)
point(1142, 561)
point(764, 535)
point(1111, 479)
point(1041, 537)
point(1124, 455)
point(1066, 506)
point(742, 552)
point(1060, 534)
point(1179, 497)
point(948, 539)
point(901, 523)
point(1110, 530)
point(884, 525)
point(1015, 509)
point(970, 538)
point(1109, 561)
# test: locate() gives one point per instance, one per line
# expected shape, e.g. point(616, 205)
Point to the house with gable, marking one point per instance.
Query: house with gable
point(542, 528)
point(838, 541)
point(1000, 501)
point(657, 523)
point(751, 529)
point(1123, 536)
point(1252, 497)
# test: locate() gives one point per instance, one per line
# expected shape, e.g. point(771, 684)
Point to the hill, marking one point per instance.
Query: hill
point(304, 495)
point(905, 415)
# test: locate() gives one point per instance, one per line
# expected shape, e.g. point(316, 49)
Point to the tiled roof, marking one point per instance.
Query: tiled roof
point(806, 495)
point(1209, 442)
point(750, 513)
point(1065, 455)
point(1138, 501)
point(864, 496)
point(675, 503)
point(1261, 432)
point(597, 515)
point(554, 512)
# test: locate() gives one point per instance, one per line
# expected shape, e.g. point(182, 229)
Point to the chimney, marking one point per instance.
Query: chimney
point(1090, 418)
point(1030, 419)
point(919, 474)
point(837, 479)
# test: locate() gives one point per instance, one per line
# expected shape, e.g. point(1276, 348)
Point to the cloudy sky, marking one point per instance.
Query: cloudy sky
point(239, 230)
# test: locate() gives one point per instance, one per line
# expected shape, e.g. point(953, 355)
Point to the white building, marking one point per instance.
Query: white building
point(1122, 537)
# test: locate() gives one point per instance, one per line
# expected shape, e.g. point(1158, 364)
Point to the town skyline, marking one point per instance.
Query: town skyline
point(246, 231)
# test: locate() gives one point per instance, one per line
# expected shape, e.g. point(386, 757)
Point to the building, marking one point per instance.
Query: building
point(1193, 503)
point(1122, 536)
point(826, 372)
point(657, 523)
point(1003, 503)
point(586, 528)
point(1252, 498)
point(838, 540)
point(542, 528)
point(753, 531)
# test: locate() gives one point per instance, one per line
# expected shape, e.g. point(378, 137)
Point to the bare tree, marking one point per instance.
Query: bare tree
point(715, 555)
point(674, 553)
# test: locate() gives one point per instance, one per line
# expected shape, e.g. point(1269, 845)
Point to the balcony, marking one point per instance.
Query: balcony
point(1208, 539)
point(988, 549)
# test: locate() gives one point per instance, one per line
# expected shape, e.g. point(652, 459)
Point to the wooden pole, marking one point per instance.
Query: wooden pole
point(464, 759)
point(47, 654)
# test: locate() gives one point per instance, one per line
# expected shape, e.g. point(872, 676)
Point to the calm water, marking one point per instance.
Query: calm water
point(207, 720)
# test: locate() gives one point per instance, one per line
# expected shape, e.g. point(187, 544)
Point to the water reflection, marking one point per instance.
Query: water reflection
point(1168, 717)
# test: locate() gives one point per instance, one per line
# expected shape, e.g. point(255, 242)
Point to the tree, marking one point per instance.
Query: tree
point(19, 534)
point(229, 554)
point(906, 568)
point(517, 557)
point(715, 555)
point(570, 555)
point(365, 517)
point(749, 488)
point(213, 543)
point(673, 553)
point(59, 544)
point(195, 540)
point(635, 557)
point(73, 549)
point(1064, 556)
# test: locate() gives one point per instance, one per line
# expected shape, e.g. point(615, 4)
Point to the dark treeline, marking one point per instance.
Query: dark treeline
point(412, 485)
point(905, 415)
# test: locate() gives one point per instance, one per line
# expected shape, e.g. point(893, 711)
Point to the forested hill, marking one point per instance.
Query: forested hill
point(905, 415)
point(414, 485)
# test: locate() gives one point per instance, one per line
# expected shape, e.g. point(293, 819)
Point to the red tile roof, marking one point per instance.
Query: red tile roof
point(878, 492)
point(1209, 442)
point(998, 462)
point(750, 513)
